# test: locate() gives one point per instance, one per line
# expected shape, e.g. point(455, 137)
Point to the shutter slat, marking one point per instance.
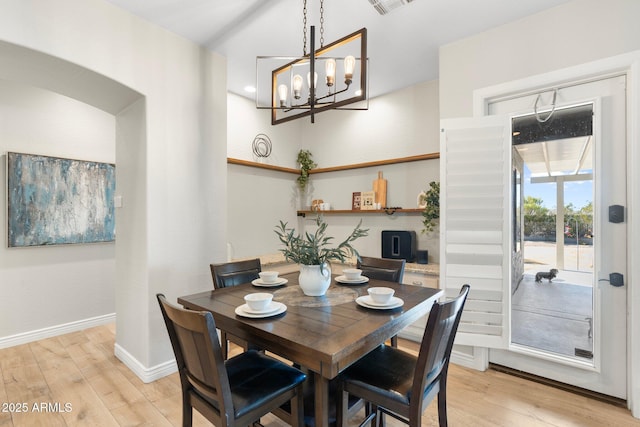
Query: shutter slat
point(479, 330)
point(483, 318)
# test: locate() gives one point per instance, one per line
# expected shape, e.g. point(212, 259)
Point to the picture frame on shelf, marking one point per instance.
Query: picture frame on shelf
point(368, 200)
point(356, 199)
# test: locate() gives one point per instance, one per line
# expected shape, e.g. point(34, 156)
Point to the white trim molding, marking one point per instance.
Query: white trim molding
point(54, 331)
point(633, 249)
point(477, 359)
point(147, 375)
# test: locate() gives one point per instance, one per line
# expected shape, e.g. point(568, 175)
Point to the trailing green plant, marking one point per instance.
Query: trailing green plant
point(431, 210)
point(306, 164)
point(317, 248)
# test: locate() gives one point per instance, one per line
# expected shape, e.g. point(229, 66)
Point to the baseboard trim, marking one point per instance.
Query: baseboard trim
point(560, 385)
point(478, 360)
point(146, 375)
point(53, 331)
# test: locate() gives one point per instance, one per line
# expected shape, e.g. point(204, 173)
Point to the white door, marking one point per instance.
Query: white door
point(606, 373)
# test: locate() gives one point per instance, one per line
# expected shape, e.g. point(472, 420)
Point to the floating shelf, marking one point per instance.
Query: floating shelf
point(417, 158)
point(409, 159)
point(388, 211)
point(241, 162)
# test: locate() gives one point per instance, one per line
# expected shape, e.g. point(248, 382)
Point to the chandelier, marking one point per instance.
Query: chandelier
point(339, 69)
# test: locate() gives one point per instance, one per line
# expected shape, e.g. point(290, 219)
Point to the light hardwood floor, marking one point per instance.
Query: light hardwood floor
point(75, 380)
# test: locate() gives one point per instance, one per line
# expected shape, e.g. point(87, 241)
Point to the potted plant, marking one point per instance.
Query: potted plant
point(431, 201)
point(306, 164)
point(314, 251)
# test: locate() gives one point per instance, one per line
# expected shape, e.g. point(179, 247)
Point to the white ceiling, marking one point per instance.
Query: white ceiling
point(402, 45)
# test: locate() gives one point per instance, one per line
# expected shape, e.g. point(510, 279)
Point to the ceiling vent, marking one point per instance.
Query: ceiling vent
point(385, 6)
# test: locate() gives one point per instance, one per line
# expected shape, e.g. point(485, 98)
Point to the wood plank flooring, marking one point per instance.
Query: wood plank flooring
point(75, 380)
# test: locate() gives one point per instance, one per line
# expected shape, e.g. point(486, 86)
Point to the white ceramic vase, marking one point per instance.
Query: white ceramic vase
point(422, 200)
point(314, 280)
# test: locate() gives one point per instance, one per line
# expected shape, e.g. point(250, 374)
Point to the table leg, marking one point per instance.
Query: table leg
point(321, 400)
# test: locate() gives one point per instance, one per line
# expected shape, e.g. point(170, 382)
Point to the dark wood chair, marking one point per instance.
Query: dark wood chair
point(235, 273)
point(229, 393)
point(391, 270)
point(399, 384)
point(232, 274)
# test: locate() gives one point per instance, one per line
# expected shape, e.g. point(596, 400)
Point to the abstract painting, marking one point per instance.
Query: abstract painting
point(54, 201)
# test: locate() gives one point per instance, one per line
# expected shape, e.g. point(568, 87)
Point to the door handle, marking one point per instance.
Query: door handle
point(616, 214)
point(616, 279)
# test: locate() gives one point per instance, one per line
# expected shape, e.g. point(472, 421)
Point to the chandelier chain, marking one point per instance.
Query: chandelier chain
point(304, 28)
point(321, 23)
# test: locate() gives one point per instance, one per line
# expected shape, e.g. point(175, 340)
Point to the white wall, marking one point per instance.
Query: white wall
point(258, 198)
point(246, 121)
point(574, 33)
point(174, 133)
point(36, 282)
point(401, 124)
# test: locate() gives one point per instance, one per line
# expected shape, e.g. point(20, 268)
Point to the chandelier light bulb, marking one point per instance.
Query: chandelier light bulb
point(282, 93)
point(349, 66)
point(315, 79)
point(297, 86)
point(330, 70)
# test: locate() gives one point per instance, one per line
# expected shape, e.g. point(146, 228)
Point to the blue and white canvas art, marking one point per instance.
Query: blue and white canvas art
point(54, 201)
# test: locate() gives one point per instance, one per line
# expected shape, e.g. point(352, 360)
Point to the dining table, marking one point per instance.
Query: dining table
point(324, 334)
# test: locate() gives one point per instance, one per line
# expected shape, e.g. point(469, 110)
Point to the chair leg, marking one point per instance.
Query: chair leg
point(442, 406)
point(224, 344)
point(187, 412)
point(370, 414)
point(394, 341)
point(367, 408)
point(380, 418)
point(342, 407)
point(297, 408)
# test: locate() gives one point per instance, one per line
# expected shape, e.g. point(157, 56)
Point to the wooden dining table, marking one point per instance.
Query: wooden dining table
point(322, 334)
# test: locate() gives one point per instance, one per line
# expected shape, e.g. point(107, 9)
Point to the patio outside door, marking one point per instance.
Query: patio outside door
point(597, 359)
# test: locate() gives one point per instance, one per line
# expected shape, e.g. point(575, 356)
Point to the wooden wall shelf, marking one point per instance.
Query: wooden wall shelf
point(241, 162)
point(377, 163)
point(388, 211)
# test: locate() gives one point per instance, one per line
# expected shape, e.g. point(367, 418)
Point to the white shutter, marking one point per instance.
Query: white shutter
point(475, 171)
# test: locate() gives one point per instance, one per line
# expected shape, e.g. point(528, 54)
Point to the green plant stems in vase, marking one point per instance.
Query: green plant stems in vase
point(316, 249)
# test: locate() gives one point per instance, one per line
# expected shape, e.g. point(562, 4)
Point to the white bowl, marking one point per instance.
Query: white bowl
point(352, 273)
point(381, 295)
point(268, 276)
point(258, 301)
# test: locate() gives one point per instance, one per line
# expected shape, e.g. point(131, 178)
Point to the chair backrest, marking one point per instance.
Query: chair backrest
point(391, 270)
point(437, 342)
point(198, 354)
point(235, 273)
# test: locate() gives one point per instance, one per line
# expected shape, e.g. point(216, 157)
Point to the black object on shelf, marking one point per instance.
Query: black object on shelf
point(399, 245)
point(422, 257)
